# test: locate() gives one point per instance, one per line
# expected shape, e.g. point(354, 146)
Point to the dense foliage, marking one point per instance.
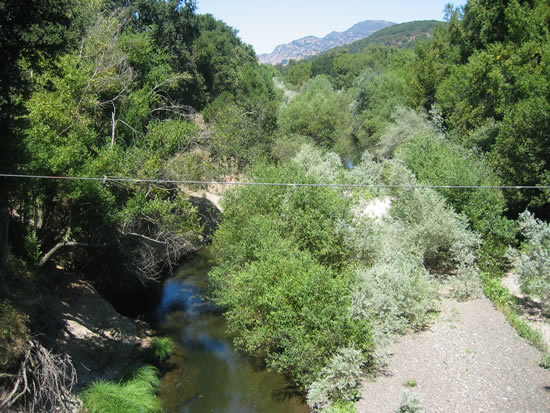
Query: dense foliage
point(315, 280)
point(115, 88)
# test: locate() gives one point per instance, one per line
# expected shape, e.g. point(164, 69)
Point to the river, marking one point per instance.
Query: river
point(208, 375)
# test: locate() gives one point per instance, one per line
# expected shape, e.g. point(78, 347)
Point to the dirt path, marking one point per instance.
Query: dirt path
point(470, 360)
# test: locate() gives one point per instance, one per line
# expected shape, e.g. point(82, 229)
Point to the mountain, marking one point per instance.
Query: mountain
point(312, 45)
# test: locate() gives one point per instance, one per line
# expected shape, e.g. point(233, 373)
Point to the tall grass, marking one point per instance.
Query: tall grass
point(136, 395)
point(162, 348)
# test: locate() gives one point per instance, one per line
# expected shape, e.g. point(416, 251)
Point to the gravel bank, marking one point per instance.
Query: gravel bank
point(470, 360)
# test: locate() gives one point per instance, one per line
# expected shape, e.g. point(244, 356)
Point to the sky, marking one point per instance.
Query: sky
point(266, 24)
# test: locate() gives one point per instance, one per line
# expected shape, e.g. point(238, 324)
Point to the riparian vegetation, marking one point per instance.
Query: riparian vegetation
point(309, 278)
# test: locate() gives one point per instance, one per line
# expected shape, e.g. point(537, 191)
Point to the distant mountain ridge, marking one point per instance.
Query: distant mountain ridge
point(312, 45)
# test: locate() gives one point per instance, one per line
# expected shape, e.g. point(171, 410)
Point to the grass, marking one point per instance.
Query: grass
point(341, 407)
point(136, 394)
point(504, 301)
point(545, 361)
point(411, 383)
point(162, 348)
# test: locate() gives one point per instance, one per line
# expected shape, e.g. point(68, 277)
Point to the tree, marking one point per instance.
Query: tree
point(27, 35)
point(319, 112)
point(377, 95)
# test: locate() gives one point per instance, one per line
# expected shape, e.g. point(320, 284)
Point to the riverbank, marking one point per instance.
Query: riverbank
point(101, 342)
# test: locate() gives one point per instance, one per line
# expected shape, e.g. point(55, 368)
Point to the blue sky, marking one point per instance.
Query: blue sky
point(265, 24)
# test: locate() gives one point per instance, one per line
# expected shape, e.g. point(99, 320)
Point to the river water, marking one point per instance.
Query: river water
point(208, 375)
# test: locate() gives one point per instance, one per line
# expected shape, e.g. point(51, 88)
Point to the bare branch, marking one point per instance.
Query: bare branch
point(43, 383)
point(62, 244)
point(147, 239)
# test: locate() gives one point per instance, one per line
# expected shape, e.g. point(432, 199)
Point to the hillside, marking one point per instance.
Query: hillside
point(404, 35)
point(312, 45)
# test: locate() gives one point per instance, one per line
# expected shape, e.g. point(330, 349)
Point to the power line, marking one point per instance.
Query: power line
point(297, 184)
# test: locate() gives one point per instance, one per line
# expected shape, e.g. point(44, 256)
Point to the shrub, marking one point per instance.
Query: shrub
point(367, 172)
point(411, 383)
point(441, 234)
point(340, 407)
point(396, 295)
point(377, 96)
point(14, 334)
point(319, 112)
point(42, 382)
point(495, 291)
point(326, 167)
point(288, 308)
point(437, 161)
point(545, 362)
point(466, 284)
point(533, 259)
point(410, 403)
point(338, 381)
point(406, 124)
point(162, 348)
point(137, 394)
point(286, 147)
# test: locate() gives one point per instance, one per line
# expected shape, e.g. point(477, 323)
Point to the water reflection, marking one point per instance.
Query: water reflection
point(209, 375)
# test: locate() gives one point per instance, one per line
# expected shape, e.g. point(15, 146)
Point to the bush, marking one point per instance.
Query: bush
point(466, 283)
point(495, 291)
point(285, 147)
point(377, 97)
point(320, 113)
point(338, 383)
point(137, 394)
point(281, 273)
point(437, 161)
point(533, 259)
point(42, 382)
point(545, 362)
point(410, 403)
point(340, 407)
point(326, 167)
point(288, 308)
point(407, 123)
point(14, 334)
point(396, 295)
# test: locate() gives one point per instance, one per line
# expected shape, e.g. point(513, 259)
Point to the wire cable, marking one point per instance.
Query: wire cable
point(295, 184)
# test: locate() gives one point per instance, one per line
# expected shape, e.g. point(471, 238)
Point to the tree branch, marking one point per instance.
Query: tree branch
point(62, 244)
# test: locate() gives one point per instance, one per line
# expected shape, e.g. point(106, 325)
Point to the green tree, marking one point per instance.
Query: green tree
point(319, 112)
point(377, 96)
point(299, 73)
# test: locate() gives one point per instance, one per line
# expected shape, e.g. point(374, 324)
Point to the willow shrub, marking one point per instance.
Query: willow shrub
point(339, 383)
point(288, 308)
point(281, 273)
point(437, 161)
point(533, 259)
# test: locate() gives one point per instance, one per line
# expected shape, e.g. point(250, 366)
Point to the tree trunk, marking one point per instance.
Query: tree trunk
point(4, 229)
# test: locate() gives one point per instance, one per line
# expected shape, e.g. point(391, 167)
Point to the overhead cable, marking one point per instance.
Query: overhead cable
point(106, 179)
